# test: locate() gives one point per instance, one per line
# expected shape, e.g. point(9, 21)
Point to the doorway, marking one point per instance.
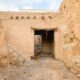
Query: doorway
point(44, 43)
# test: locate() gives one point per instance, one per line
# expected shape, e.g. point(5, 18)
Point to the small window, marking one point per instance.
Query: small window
point(11, 17)
point(22, 17)
point(50, 17)
point(34, 17)
point(17, 17)
point(28, 17)
point(42, 17)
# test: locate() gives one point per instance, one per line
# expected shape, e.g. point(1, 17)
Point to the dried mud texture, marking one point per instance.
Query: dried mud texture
point(41, 69)
point(10, 57)
point(73, 60)
point(14, 67)
point(73, 64)
point(72, 52)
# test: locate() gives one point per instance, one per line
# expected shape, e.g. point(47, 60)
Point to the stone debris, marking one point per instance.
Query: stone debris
point(73, 64)
point(41, 69)
point(12, 57)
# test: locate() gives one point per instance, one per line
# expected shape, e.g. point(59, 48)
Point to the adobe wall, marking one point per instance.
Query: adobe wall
point(3, 48)
point(19, 30)
point(20, 36)
point(70, 9)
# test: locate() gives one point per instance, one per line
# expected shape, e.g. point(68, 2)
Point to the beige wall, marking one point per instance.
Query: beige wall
point(20, 36)
point(20, 32)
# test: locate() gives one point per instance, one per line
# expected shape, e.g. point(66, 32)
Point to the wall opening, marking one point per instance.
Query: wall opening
point(44, 43)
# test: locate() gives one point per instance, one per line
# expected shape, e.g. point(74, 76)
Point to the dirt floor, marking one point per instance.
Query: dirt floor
point(41, 69)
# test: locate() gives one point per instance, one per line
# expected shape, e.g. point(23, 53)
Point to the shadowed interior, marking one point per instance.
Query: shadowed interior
point(43, 42)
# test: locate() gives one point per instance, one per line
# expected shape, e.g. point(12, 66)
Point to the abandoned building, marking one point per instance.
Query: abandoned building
point(45, 32)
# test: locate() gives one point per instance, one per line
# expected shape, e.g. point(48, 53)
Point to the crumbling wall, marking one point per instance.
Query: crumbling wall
point(70, 10)
point(3, 49)
point(71, 50)
point(8, 55)
point(21, 29)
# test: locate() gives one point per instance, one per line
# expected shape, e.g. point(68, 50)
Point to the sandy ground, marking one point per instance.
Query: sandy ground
point(40, 69)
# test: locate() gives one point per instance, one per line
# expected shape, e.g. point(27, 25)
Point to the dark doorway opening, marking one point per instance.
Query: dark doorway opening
point(43, 43)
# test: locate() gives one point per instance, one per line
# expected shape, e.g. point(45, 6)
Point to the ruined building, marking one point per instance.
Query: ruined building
point(59, 33)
